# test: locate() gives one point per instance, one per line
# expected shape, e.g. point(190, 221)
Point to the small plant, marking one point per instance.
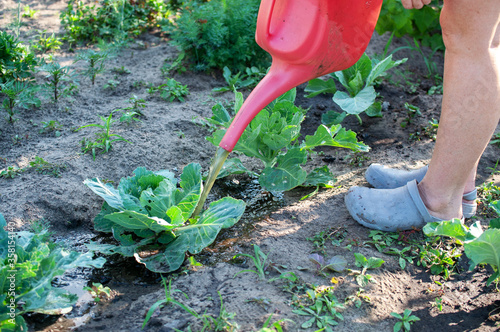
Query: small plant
point(259, 260)
point(44, 167)
point(150, 217)
point(104, 139)
point(51, 126)
point(170, 91)
point(336, 263)
point(98, 291)
point(358, 81)
point(405, 321)
point(412, 112)
point(358, 298)
point(46, 43)
point(431, 129)
point(323, 310)
point(60, 81)
point(120, 70)
point(176, 65)
point(18, 94)
point(439, 256)
point(169, 299)
point(95, 63)
point(274, 327)
point(28, 12)
point(36, 262)
point(11, 172)
point(362, 278)
point(111, 85)
point(235, 82)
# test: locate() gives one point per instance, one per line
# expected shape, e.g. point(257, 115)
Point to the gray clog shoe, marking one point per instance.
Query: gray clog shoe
point(390, 210)
point(383, 177)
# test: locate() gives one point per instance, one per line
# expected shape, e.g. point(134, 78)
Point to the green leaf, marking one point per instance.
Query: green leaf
point(485, 249)
point(167, 260)
point(375, 110)
point(320, 176)
point(398, 326)
point(334, 136)
point(158, 202)
point(360, 260)
point(380, 68)
point(356, 104)
point(132, 220)
point(318, 86)
point(362, 67)
point(232, 166)
point(187, 198)
point(336, 263)
point(287, 173)
point(374, 262)
point(451, 228)
point(332, 118)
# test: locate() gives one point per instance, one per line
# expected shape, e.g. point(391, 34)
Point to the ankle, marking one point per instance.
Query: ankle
point(440, 206)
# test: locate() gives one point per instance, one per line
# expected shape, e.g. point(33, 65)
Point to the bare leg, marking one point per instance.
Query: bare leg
point(471, 99)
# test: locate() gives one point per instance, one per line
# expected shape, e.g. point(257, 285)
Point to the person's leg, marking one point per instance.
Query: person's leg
point(471, 98)
point(470, 114)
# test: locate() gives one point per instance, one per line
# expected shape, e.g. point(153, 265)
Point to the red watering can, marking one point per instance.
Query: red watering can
point(306, 39)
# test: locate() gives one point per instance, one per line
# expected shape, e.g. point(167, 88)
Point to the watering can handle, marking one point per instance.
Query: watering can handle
point(264, 18)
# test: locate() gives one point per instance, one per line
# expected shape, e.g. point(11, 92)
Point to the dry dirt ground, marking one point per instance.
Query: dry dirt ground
point(167, 138)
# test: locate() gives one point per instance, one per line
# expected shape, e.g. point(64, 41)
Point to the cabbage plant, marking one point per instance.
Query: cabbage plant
point(149, 215)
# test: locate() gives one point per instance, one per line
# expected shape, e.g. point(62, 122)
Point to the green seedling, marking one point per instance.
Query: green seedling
point(60, 81)
point(120, 70)
point(431, 129)
point(358, 81)
point(412, 112)
point(406, 320)
point(323, 311)
point(11, 172)
point(221, 323)
point(28, 12)
point(272, 137)
point(481, 247)
point(44, 43)
point(406, 254)
point(95, 63)
point(104, 139)
point(489, 192)
point(438, 303)
point(259, 260)
point(439, 256)
point(149, 216)
point(358, 298)
point(175, 66)
point(169, 299)
point(98, 291)
point(357, 159)
point(362, 278)
point(170, 91)
point(336, 263)
point(18, 94)
point(36, 261)
point(51, 126)
point(235, 82)
point(44, 167)
point(273, 327)
point(111, 85)
point(129, 116)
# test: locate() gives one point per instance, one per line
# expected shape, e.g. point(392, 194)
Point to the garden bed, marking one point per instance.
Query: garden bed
point(282, 225)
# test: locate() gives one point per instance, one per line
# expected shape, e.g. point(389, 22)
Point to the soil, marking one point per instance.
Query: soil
point(168, 138)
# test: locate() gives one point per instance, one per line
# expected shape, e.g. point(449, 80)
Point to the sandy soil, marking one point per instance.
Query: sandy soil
point(167, 138)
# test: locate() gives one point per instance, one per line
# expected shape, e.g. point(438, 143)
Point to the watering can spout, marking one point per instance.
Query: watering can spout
point(306, 39)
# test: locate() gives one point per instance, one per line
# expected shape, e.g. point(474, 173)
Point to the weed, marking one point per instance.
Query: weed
point(169, 298)
point(438, 303)
point(235, 82)
point(412, 112)
point(259, 260)
point(431, 129)
point(129, 116)
point(120, 70)
point(323, 310)
point(170, 91)
point(405, 321)
point(362, 278)
point(357, 159)
point(44, 43)
point(358, 298)
point(28, 12)
point(18, 94)
point(60, 81)
point(51, 126)
point(274, 327)
point(221, 323)
point(439, 256)
point(44, 167)
point(95, 63)
point(98, 291)
point(104, 138)
point(11, 172)
point(111, 85)
point(176, 65)
point(489, 192)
